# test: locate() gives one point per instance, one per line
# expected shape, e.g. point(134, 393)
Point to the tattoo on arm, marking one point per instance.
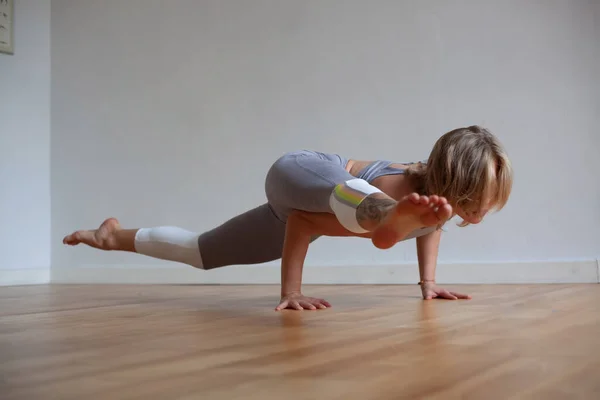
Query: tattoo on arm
point(373, 210)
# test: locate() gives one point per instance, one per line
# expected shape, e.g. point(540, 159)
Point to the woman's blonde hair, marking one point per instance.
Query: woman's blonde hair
point(469, 167)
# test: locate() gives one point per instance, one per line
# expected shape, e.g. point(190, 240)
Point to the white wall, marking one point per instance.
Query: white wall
point(596, 81)
point(25, 148)
point(156, 107)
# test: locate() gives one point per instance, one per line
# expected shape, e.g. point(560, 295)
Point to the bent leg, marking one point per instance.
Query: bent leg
point(319, 183)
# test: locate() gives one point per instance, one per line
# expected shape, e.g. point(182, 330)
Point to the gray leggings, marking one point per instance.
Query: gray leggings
point(301, 180)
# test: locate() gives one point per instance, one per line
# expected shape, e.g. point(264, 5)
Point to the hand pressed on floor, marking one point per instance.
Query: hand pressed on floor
point(432, 291)
point(297, 301)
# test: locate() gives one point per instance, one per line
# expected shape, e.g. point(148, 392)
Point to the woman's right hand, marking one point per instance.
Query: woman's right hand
point(297, 301)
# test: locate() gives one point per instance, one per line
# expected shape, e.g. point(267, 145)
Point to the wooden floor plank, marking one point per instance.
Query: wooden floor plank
point(227, 342)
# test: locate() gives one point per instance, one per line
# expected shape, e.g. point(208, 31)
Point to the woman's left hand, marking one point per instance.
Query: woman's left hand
point(431, 291)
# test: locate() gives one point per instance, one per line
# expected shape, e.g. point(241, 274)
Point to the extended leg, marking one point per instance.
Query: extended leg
point(253, 237)
point(164, 242)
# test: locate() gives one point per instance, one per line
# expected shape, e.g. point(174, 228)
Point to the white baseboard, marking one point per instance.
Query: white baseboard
point(28, 276)
point(480, 273)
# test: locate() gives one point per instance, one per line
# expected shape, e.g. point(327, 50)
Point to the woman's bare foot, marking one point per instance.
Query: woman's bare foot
point(412, 212)
point(103, 238)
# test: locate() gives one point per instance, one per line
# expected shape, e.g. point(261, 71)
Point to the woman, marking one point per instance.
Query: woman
point(311, 194)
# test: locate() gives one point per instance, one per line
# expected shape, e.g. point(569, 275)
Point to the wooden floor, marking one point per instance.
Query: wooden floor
point(377, 342)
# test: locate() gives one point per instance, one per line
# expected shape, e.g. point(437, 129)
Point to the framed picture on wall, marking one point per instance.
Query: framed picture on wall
point(6, 26)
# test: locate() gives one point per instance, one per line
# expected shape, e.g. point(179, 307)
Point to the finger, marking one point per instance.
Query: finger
point(296, 305)
point(281, 305)
point(461, 296)
point(434, 200)
point(316, 303)
point(424, 200)
point(307, 305)
point(324, 302)
point(447, 295)
point(321, 304)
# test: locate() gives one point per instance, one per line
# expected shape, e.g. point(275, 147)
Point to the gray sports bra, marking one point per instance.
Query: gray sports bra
point(379, 168)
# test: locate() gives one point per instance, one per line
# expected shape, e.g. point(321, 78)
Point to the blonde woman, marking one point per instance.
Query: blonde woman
point(311, 194)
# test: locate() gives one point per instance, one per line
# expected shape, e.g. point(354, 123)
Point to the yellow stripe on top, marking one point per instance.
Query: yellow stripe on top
point(348, 195)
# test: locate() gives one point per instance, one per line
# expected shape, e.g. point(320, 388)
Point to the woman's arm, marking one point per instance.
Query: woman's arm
point(427, 254)
point(300, 227)
point(295, 246)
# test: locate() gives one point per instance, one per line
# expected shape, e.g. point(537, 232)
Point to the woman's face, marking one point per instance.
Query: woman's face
point(473, 215)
